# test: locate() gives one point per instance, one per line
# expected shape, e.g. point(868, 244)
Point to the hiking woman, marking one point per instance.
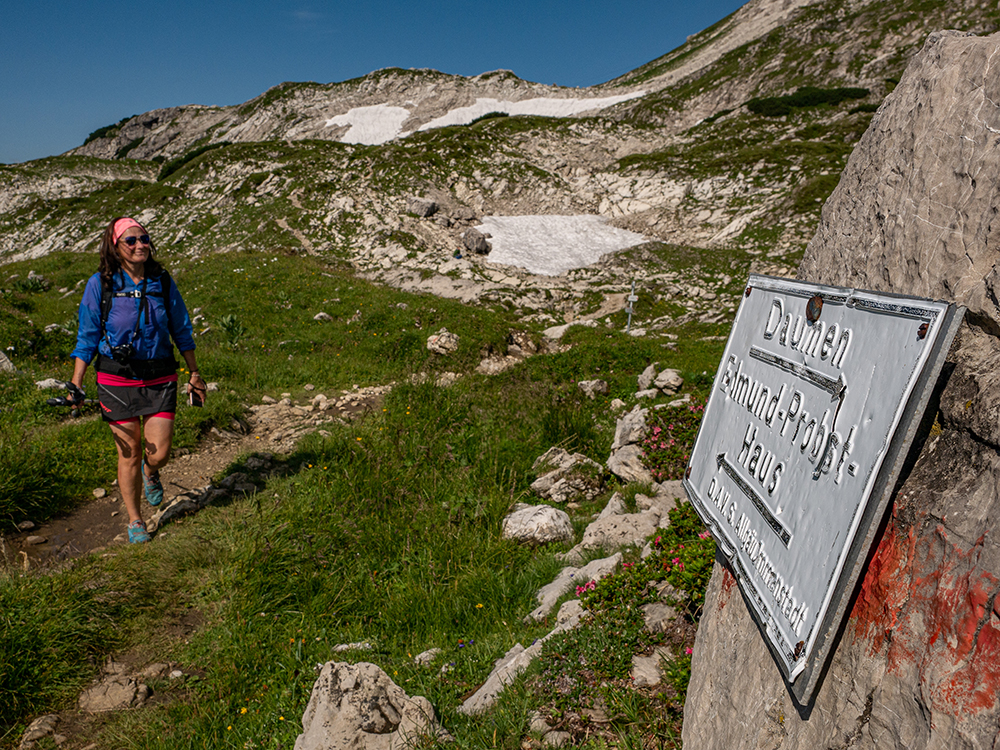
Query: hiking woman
point(129, 312)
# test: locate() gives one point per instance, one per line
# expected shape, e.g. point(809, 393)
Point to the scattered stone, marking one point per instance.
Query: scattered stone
point(648, 376)
point(26, 526)
point(40, 728)
point(614, 532)
point(505, 670)
point(100, 493)
point(115, 692)
point(322, 317)
point(593, 388)
point(569, 577)
point(558, 739)
point(475, 242)
point(267, 400)
point(567, 476)
point(443, 342)
point(359, 706)
point(155, 671)
point(537, 525)
point(422, 207)
point(648, 393)
point(646, 670)
point(627, 464)
point(669, 381)
point(357, 646)
point(615, 506)
point(617, 404)
point(50, 384)
point(658, 616)
point(556, 332)
point(5, 364)
point(425, 658)
point(35, 540)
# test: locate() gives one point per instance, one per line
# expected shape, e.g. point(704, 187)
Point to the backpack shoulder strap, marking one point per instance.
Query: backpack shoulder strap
point(106, 297)
point(165, 289)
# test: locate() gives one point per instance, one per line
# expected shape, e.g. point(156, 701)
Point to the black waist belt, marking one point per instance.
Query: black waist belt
point(137, 369)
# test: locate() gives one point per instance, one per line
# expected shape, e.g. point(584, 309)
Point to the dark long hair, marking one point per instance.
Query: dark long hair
point(111, 262)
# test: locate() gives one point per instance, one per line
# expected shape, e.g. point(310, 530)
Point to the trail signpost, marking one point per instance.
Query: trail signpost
point(817, 399)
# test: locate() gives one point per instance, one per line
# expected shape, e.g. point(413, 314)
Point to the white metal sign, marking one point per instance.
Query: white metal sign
point(798, 437)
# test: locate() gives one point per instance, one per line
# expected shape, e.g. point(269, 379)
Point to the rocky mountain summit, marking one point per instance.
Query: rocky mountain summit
point(712, 146)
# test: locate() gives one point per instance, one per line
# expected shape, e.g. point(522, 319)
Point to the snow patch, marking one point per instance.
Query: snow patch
point(373, 125)
point(380, 123)
point(544, 106)
point(552, 245)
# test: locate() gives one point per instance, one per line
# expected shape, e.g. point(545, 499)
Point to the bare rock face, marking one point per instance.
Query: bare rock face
point(918, 663)
point(359, 706)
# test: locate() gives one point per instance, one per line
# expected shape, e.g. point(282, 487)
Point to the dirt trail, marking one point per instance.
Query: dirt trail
point(101, 522)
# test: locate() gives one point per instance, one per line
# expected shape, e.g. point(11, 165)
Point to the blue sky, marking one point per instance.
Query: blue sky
point(68, 68)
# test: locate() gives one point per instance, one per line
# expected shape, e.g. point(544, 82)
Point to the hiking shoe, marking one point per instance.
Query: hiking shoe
point(152, 486)
point(137, 533)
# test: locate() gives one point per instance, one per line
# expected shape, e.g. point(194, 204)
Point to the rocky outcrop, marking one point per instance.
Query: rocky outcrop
point(917, 663)
point(359, 706)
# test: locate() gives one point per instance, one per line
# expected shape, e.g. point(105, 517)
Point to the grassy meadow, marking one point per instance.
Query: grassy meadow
point(386, 531)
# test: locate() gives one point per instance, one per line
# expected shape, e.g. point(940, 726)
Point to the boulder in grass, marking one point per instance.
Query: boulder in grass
point(443, 342)
point(537, 525)
point(359, 706)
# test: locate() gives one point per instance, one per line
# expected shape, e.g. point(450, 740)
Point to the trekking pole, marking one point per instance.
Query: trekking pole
point(77, 402)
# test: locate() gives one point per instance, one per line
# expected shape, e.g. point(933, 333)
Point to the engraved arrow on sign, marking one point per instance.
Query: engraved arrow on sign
point(828, 384)
point(783, 534)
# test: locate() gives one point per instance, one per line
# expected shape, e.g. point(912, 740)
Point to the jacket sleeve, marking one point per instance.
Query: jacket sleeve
point(88, 335)
point(180, 321)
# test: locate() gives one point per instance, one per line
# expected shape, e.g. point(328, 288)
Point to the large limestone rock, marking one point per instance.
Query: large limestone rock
point(918, 663)
point(537, 525)
point(359, 706)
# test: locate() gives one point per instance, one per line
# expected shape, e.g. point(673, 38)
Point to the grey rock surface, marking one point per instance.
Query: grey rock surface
point(359, 706)
point(915, 667)
point(627, 463)
point(594, 388)
point(569, 577)
point(538, 524)
point(443, 342)
point(613, 532)
point(669, 381)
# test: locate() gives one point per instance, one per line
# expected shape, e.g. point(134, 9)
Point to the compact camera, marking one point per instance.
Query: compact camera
point(122, 353)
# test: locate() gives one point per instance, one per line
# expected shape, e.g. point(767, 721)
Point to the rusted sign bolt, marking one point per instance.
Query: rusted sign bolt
point(747, 292)
point(687, 474)
point(922, 331)
point(814, 308)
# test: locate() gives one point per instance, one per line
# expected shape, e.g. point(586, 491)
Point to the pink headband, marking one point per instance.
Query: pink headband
point(121, 226)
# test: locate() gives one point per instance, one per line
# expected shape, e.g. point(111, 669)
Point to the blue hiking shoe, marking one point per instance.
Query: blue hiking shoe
point(152, 486)
point(137, 533)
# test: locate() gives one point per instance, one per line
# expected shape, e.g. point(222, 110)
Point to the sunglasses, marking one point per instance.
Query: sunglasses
point(130, 241)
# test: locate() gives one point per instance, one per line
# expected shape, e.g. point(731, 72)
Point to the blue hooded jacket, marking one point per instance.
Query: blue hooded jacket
point(152, 341)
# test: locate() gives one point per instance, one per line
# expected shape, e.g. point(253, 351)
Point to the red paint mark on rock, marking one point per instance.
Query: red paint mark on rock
point(728, 579)
point(926, 606)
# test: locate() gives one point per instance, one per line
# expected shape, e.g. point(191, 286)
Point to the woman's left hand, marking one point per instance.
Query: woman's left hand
point(197, 388)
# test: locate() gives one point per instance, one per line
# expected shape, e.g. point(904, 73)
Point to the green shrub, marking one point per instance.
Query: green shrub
point(107, 131)
point(175, 164)
point(807, 96)
point(669, 439)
